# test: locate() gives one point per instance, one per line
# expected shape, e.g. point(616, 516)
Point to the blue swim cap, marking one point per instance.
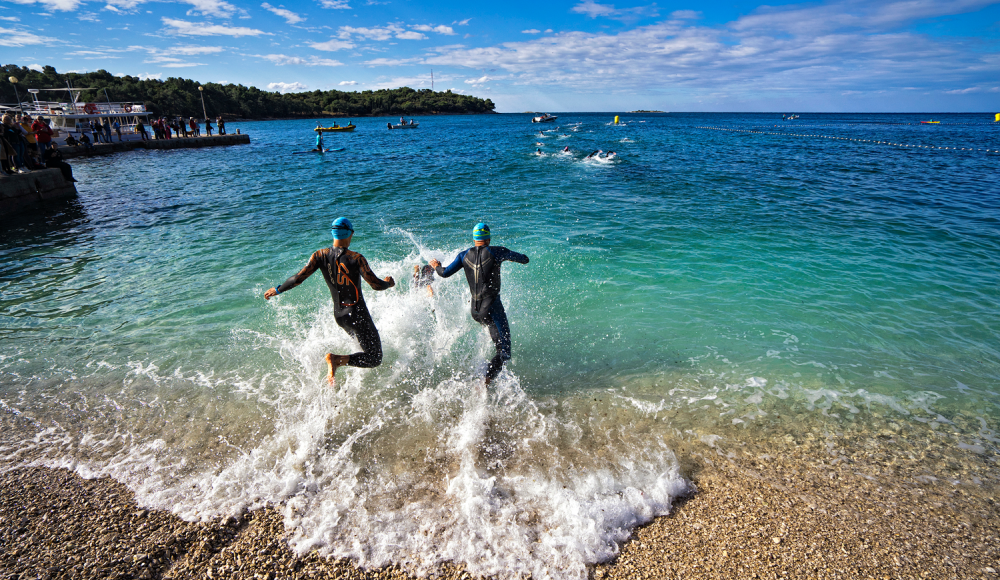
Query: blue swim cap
point(481, 232)
point(342, 228)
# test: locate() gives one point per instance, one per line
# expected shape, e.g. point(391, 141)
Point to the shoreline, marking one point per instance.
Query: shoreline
point(758, 513)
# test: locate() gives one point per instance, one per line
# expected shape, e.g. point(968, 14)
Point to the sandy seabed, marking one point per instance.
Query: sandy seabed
point(774, 507)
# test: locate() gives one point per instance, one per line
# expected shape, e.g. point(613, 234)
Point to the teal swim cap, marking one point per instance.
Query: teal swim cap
point(342, 228)
point(481, 232)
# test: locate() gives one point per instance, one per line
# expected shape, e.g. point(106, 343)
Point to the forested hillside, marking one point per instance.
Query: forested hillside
point(176, 96)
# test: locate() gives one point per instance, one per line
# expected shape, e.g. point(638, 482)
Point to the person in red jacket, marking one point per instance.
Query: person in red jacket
point(43, 134)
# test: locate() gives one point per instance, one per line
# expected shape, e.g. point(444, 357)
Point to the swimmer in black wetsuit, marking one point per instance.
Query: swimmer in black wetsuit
point(343, 269)
point(482, 270)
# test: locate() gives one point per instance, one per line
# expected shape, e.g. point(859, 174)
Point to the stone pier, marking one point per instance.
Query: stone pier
point(25, 190)
point(177, 143)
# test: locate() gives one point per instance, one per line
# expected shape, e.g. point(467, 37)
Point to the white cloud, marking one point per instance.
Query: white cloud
point(462, 22)
point(531, 31)
point(12, 37)
point(150, 76)
point(548, 30)
point(441, 29)
point(185, 28)
point(191, 50)
point(963, 91)
point(218, 8)
point(61, 5)
point(390, 61)
point(480, 81)
point(347, 83)
point(411, 35)
point(595, 10)
point(381, 33)
point(182, 64)
point(288, 15)
point(750, 56)
point(332, 45)
point(287, 87)
point(36, 67)
point(282, 60)
point(10, 18)
point(685, 14)
point(335, 4)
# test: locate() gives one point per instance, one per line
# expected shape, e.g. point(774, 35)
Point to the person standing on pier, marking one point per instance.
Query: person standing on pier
point(343, 269)
point(43, 134)
point(118, 129)
point(141, 129)
point(222, 125)
point(208, 126)
point(107, 129)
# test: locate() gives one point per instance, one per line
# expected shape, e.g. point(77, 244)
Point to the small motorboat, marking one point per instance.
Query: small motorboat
point(336, 128)
point(545, 118)
point(410, 125)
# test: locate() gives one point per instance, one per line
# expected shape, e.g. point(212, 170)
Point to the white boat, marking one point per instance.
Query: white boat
point(544, 118)
point(410, 125)
point(72, 118)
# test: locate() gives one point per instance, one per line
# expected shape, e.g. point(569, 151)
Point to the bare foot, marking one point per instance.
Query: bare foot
point(334, 361)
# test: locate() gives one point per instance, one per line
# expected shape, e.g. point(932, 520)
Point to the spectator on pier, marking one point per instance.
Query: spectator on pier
point(107, 129)
point(166, 127)
point(29, 134)
point(71, 141)
point(12, 135)
point(43, 134)
point(222, 125)
point(95, 135)
point(54, 160)
point(141, 129)
point(157, 130)
point(86, 142)
point(118, 129)
point(208, 127)
point(195, 130)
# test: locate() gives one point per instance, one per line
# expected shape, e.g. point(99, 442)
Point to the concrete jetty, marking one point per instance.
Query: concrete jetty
point(25, 190)
point(175, 143)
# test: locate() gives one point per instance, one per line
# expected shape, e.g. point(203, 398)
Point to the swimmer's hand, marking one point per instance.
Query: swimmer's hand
point(270, 294)
point(435, 264)
point(390, 281)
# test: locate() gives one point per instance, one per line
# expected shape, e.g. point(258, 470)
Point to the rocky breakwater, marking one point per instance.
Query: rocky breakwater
point(176, 143)
point(25, 190)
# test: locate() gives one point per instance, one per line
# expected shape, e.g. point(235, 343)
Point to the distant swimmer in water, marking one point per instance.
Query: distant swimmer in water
point(595, 153)
point(566, 149)
point(540, 144)
point(482, 270)
point(343, 269)
point(538, 152)
point(611, 155)
point(423, 278)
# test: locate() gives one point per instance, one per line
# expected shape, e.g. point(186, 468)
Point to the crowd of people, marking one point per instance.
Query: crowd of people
point(27, 146)
point(179, 127)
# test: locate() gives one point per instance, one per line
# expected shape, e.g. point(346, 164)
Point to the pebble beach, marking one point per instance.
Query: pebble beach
point(760, 511)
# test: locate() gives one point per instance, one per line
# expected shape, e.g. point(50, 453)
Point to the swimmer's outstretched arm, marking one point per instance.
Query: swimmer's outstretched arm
point(451, 269)
point(295, 280)
point(374, 281)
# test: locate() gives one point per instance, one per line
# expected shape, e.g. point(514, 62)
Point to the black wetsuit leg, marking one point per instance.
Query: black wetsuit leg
point(495, 319)
point(359, 324)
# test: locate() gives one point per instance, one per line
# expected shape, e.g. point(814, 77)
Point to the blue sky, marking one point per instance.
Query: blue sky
point(578, 55)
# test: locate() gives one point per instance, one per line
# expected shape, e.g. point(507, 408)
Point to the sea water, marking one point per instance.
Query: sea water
point(722, 271)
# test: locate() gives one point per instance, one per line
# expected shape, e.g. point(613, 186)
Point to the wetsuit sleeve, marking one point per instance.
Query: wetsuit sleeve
point(453, 267)
point(503, 254)
point(304, 273)
point(370, 277)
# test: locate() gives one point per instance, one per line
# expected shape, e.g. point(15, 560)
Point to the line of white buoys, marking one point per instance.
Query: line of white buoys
point(779, 134)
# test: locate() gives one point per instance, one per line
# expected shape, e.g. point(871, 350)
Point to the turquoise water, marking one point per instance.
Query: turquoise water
point(725, 276)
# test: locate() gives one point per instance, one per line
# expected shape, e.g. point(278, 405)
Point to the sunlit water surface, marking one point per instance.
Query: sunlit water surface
point(701, 279)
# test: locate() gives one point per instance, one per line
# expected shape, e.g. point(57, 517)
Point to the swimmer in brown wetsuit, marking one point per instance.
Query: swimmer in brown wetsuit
point(423, 277)
point(343, 269)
